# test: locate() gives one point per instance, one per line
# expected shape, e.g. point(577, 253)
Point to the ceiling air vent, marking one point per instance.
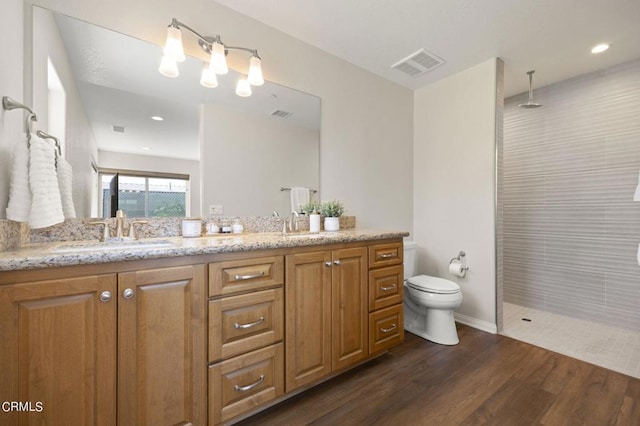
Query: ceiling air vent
point(281, 114)
point(418, 63)
point(118, 129)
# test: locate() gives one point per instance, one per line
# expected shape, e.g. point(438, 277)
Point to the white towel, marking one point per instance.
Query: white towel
point(46, 206)
point(636, 196)
point(19, 193)
point(299, 197)
point(65, 179)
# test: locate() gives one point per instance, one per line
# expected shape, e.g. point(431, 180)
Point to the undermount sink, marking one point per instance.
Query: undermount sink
point(312, 236)
point(113, 245)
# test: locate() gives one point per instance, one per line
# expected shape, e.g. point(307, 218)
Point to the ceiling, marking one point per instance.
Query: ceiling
point(554, 37)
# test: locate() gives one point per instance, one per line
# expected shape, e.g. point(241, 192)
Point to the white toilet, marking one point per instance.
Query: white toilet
point(429, 302)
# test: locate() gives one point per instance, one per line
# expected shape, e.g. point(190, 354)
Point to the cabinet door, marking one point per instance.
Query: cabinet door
point(58, 351)
point(349, 307)
point(307, 318)
point(161, 347)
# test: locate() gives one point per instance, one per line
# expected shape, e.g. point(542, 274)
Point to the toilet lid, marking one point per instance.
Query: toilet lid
point(433, 284)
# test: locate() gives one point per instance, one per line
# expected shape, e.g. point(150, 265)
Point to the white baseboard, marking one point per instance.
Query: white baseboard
point(476, 323)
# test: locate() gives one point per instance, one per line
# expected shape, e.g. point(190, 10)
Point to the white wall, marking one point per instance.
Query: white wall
point(249, 185)
point(11, 83)
point(454, 164)
point(78, 140)
point(367, 127)
point(149, 163)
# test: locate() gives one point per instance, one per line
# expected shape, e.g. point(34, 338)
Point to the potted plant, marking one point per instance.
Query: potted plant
point(312, 209)
point(331, 210)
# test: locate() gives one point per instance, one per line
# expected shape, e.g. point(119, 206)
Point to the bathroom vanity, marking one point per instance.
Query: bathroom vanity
point(199, 331)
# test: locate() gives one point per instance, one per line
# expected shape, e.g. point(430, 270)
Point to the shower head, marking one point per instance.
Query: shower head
point(530, 104)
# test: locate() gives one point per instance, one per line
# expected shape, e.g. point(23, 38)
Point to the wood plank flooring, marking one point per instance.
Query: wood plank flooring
point(485, 380)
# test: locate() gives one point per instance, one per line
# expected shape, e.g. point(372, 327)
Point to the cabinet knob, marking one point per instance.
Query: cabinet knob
point(105, 296)
point(127, 293)
point(327, 263)
point(336, 262)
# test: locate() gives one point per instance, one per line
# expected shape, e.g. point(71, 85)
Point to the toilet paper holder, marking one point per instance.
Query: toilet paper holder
point(459, 258)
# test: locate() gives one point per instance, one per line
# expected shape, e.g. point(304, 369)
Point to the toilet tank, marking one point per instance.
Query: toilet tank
point(409, 259)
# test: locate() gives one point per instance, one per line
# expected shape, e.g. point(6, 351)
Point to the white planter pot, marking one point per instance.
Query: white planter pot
point(314, 223)
point(331, 223)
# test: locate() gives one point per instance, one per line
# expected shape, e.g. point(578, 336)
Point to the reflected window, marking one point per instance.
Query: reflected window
point(144, 196)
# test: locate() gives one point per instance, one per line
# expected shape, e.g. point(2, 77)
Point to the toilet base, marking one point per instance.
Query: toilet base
point(435, 325)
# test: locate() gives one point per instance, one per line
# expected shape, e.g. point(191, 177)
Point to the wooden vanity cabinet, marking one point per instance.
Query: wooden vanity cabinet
point(198, 341)
point(125, 349)
point(326, 313)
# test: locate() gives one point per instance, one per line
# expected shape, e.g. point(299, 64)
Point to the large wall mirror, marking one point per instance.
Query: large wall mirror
point(98, 91)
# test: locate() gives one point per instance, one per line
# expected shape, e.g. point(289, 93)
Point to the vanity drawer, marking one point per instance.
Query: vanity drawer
point(236, 276)
point(385, 287)
point(386, 328)
point(240, 324)
point(385, 255)
point(241, 384)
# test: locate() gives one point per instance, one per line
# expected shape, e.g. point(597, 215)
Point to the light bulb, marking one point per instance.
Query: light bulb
point(243, 88)
point(600, 48)
point(218, 60)
point(208, 77)
point(255, 72)
point(173, 46)
point(168, 67)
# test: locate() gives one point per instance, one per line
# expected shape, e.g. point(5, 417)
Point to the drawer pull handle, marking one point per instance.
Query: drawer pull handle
point(248, 387)
point(393, 287)
point(249, 277)
point(388, 255)
point(249, 325)
point(386, 330)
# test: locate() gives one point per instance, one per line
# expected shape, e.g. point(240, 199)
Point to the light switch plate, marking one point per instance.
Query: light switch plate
point(216, 209)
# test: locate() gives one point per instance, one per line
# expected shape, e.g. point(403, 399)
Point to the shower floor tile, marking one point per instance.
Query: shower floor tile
point(610, 347)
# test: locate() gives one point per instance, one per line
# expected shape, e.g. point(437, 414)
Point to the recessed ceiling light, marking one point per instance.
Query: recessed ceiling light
point(600, 48)
point(146, 148)
point(157, 118)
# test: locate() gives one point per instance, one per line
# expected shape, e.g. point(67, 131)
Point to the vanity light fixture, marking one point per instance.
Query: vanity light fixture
point(157, 118)
point(599, 48)
point(173, 52)
point(243, 88)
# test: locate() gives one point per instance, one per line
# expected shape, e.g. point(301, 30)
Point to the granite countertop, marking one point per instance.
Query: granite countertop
point(44, 255)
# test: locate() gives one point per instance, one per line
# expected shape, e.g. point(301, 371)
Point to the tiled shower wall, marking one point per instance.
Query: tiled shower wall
point(571, 227)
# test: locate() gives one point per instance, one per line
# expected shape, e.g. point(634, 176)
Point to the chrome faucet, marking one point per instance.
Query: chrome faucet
point(120, 215)
point(293, 221)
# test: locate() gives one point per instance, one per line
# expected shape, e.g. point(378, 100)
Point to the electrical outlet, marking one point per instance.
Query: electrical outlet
point(216, 209)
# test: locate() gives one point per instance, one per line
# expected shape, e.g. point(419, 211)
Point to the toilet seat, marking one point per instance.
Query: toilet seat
point(434, 285)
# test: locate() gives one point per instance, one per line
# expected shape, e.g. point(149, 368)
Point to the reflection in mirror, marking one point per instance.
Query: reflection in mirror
point(238, 152)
